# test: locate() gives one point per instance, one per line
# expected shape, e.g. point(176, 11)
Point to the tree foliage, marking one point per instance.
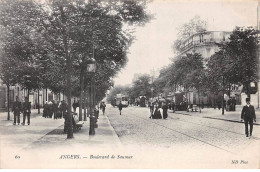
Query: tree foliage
point(195, 25)
point(53, 41)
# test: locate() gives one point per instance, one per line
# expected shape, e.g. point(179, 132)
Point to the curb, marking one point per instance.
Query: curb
point(229, 120)
point(113, 131)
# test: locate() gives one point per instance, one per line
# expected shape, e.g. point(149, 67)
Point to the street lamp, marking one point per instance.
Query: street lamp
point(91, 69)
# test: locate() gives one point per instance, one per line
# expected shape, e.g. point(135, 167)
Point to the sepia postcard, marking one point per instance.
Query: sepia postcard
point(129, 84)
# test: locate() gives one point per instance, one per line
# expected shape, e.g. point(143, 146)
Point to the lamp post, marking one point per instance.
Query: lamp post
point(91, 69)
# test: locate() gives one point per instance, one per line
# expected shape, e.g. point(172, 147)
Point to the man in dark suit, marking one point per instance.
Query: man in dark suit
point(248, 115)
point(120, 107)
point(17, 109)
point(26, 111)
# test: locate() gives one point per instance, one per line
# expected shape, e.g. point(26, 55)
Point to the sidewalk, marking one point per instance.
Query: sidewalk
point(21, 136)
point(105, 135)
point(231, 116)
point(46, 132)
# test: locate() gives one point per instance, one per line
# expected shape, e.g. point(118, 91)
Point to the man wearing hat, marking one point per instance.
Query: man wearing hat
point(17, 107)
point(248, 115)
point(26, 111)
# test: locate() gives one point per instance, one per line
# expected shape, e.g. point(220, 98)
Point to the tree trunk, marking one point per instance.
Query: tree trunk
point(223, 84)
point(223, 102)
point(247, 90)
point(43, 103)
point(39, 102)
point(69, 73)
point(94, 92)
point(46, 94)
point(28, 93)
point(229, 90)
point(69, 115)
point(199, 100)
point(81, 93)
point(84, 104)
point(8, 102)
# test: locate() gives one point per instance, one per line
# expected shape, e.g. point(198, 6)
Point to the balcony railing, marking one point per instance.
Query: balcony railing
point(190, 42)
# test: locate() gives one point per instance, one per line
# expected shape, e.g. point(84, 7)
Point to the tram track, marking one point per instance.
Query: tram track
point(184, 121)
point(256, 138)
point(189, 136)
point(158, 123)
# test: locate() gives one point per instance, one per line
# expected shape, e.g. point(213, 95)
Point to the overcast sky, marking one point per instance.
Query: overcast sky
point(152, 47)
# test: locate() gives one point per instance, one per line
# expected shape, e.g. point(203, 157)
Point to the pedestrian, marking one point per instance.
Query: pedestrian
point(55, 109)
point(248, 115)
point(120, 107)
point(45, 110)
point(170, 106)
point(26, 111)
point(173, 107)
point(74, 105)
point(219, 104)
point(165, 110)
point(63, 108)
point(229, 105)
point(58, 114)
point(157, 113)
point(16, 110)
point(225, 104)
point(103, 107)
point(234, 102)
point(97, 110)
point(50, 109)
point(151, 109)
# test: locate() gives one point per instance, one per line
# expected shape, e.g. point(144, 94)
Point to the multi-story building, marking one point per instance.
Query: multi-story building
point(206, 44)
point(16, 90)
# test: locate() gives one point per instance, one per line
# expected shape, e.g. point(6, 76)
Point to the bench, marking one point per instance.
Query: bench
point(76, 123)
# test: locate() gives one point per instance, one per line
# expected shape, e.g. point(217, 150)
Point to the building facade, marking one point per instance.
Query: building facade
point(206, 44)
point(16, 90)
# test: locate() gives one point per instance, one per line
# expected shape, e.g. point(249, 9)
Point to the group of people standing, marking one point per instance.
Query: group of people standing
point(55, 110)
point(231, 104)
point(19, 107)
point(157, 111)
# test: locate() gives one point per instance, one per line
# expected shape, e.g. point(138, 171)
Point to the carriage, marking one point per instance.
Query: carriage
point(124, 99)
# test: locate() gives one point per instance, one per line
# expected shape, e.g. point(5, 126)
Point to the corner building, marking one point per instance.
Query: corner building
point(206, 44)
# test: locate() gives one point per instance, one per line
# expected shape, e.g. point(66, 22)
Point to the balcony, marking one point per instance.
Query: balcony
point(204, 38)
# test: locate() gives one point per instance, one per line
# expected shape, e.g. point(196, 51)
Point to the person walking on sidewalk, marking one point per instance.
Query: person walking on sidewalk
point(120, 107)
point(248, 115)
point(16, 110)
point(103, 107)
point(26, 111)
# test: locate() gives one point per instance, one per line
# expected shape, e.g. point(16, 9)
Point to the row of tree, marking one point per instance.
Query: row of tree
point(236, 62)
point(49, 44)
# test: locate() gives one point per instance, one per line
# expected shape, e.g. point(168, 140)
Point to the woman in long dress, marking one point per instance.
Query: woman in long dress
point(157, 113)
point(165, 109)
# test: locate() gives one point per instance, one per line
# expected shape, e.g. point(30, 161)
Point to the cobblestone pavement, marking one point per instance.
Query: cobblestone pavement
point(182, 131)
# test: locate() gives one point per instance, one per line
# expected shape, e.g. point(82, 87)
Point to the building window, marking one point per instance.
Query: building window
point(201, 38)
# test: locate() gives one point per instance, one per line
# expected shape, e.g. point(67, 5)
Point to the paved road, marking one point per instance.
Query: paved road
point(182, 131)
